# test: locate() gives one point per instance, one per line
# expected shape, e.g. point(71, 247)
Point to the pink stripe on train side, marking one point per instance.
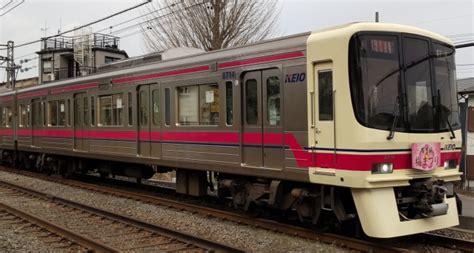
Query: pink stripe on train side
point(342, 161)
point(260, 60)
point(6, 98)
point(33, 94)
point(161, 74)
point(76, 87)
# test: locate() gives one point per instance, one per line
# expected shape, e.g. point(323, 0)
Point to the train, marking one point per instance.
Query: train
point(357, 123)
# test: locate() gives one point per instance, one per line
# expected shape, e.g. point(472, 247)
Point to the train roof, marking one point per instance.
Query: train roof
point(281, 43)
point(351, 28)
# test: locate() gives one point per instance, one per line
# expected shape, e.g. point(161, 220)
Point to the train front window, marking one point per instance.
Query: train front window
point(403, 81)
point(445, 76)
point(375, 81)
point(418, 84)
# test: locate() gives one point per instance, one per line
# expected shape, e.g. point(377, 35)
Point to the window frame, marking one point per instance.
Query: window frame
point(325, 71)
point(155, 116)
point(267, 112)
point(231, 99)
point(22, 124)
point(114, 120)
point(167, 102)
point(198, 105)
point(58, 111)
point(257, 109)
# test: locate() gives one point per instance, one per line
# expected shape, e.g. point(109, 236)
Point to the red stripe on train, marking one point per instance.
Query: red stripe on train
point(260, 60)
point(161, 74)
point(6, 98)
point(33, 94)
point(341, 161)
point(76, 87)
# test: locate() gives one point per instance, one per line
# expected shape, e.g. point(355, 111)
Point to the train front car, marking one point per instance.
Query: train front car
point(388, 128)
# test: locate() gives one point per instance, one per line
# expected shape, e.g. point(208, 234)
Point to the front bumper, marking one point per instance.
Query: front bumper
point(379, 216)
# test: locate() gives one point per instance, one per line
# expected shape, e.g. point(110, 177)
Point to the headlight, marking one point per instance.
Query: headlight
point(450, 164)
point(382, 168)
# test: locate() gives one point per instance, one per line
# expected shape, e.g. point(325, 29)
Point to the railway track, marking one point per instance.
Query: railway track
point(56, 237)
point(97, 229)
point(333, 239)
point(448, 242)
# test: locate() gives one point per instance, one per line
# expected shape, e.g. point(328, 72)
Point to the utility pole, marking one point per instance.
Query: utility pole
point(11, 66)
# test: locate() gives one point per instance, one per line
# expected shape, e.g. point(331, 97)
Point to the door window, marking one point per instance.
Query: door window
point(325, 95)
point(251, 95)
point(229, 95)
point(143, 108)
point(86, 111)
point(273, 101)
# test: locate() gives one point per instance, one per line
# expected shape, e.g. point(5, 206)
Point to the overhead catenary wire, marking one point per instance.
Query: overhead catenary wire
point(4, 5)
point(12, 8)
point(159, 17)
point(464, 45)
point(135, 18)
point(82, 26)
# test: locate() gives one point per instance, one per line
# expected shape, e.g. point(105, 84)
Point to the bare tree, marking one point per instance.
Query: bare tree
point(209, 25)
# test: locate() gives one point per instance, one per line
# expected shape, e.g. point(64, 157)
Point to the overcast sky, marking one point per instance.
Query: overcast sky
point(452, 18)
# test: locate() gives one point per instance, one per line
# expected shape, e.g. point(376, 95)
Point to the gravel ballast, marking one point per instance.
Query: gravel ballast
point(248, 238)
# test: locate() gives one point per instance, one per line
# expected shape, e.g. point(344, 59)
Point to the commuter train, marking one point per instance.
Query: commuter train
point(358, 122)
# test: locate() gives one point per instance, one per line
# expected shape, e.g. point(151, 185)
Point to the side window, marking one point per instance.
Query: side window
point(53, 113)
point(93, 117)
point(156, 107)
point(143, 112)
point(229, 103)
point(251, 102)
point(24, 117)
point(8, 116)
point(273, 101)
point(67, 114)
point(117, 107)
point(209, 104)
point(105, 110)
point(111, 110)
point(86, 111)
point(198, 105)
point(130, 109)
point(62, 112)
point(36, 113)
point(57, 113)
point(44, 113)
point(2, 117)
point(188, 109)
point(325, 95)
point(77, 111)
point(167, 107)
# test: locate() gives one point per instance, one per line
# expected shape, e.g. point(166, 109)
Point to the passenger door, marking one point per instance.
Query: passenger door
point(36, 121)
point(78, 121)
point(143, 118)
point(149, 120)
point(262, 141)
point(325, 122)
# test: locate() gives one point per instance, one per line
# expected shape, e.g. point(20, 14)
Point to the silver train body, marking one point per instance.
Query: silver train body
point(357, 123)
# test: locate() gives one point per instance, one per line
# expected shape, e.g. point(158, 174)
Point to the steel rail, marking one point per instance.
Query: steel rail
point(167, 232)
point(446, 241)
point(63, 232)
point(333, 239)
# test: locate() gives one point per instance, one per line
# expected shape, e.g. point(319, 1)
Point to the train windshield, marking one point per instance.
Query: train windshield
point(404, 83)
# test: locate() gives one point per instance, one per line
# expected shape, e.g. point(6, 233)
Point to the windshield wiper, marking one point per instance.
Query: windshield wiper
point(439, 113)
point(453, 136)
point(395, 119)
